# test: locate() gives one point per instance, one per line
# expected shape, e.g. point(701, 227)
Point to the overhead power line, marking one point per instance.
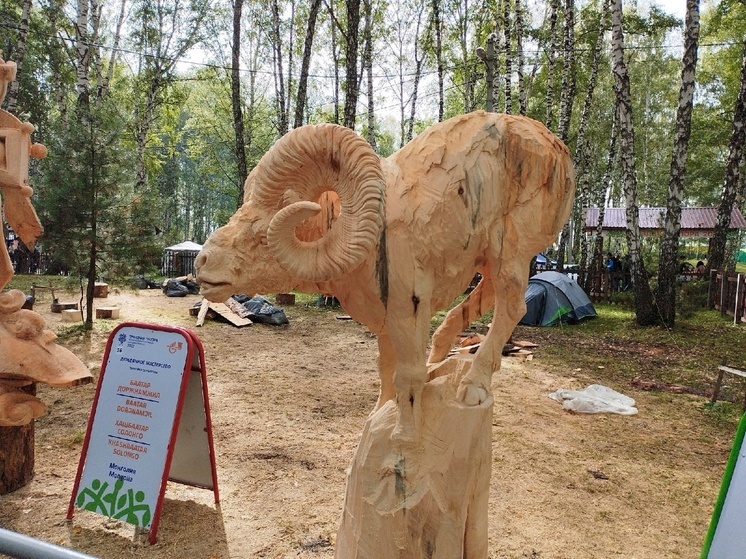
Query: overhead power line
point(247, 71)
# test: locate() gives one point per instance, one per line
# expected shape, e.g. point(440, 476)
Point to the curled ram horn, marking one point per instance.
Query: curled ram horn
point(333, 158)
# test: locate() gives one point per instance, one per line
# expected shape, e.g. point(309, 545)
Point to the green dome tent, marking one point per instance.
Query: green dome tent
point(552, 297)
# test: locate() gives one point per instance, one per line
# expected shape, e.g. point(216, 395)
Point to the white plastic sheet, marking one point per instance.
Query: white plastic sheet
point(596, 398)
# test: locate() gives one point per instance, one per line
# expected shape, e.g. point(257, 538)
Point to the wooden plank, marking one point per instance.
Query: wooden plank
point(732, 371)
point(204, 307)
point(223, 310)
point(237, 308)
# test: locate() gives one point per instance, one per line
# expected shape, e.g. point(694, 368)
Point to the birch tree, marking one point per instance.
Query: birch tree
point(582, 156)
point(368, 70)
point(11, 98)
point(519, 22)
point(437, 27)
point(668, 263)
point(237, 101)
point(731, 181)
point(279, 74)
point(351, 34)
point(567, 97)
point(644, 311)
point(551, 62)
point(300, 102)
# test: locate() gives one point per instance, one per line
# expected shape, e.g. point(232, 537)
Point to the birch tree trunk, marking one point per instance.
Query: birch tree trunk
point(507, 38)
point(716, 254)
point(551, 63)
point(236, 101)
point(351, 51)
point(522, 94)
point(290, 40)
point(582, 151)
point(11, 97)
point(279, 75)
point(104, 85)
point(368, 64)
point(644, 310)
point(438, 29)
point(83, 53)
point(335, 60)
point(567, 96)
point(300, 102)
point(668, 262)
point(418, 61)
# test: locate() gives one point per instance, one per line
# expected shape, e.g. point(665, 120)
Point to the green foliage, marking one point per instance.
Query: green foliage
point(85, 201)
point(692, 297)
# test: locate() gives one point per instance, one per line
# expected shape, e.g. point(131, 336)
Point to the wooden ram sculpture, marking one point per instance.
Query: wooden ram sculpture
point(480, 192)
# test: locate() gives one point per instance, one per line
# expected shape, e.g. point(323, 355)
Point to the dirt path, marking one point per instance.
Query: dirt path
point(288, 405)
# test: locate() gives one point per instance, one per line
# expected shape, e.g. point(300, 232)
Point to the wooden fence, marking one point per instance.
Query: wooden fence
point(727, 294)
point(600, 285)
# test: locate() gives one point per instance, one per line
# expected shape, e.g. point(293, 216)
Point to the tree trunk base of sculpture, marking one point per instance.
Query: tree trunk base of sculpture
point(17, 453)
point(422, 498)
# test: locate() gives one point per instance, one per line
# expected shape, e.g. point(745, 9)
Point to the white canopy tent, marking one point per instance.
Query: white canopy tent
point(178, 259)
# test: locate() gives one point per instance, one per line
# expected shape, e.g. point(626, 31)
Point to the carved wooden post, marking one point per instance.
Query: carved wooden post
point(427, 498)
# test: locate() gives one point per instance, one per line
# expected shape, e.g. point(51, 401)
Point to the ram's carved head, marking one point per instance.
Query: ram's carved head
point(272, 243)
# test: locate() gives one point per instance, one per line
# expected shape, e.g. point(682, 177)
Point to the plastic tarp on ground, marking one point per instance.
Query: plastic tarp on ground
point(552, 297)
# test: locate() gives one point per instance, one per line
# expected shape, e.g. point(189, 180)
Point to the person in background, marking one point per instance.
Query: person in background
point(610, 264)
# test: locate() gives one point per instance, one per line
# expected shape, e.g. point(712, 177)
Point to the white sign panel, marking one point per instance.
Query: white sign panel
point(133, 424)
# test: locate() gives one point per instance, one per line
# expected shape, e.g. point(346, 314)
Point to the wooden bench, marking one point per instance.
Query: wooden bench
point(722, 369)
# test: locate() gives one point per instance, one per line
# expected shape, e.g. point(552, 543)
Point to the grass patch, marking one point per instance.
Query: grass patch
point(613, 349)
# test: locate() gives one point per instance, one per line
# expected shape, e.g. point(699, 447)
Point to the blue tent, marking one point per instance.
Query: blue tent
point(552, 297)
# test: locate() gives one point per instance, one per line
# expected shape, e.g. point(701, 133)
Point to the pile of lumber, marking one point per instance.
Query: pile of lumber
point(470, 344)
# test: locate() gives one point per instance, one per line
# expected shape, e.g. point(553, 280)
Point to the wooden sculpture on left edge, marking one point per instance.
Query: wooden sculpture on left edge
point(480, 192)
point(28, 353)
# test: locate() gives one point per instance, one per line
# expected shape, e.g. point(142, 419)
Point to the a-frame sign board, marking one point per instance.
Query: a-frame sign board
point(726, 537)
point(150, 423)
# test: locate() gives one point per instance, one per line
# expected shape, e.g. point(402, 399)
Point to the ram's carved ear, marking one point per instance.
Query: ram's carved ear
point(290, 197)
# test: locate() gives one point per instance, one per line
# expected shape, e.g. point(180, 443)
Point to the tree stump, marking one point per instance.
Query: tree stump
point(426, 498)
point(17, 453)
point(101, 290)
point(107, 312)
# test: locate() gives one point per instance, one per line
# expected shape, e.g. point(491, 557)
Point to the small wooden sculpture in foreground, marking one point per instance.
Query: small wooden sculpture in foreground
point(480, 192)
point(28, 353)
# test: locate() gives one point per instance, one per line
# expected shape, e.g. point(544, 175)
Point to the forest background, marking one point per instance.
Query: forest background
point(154, 111)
